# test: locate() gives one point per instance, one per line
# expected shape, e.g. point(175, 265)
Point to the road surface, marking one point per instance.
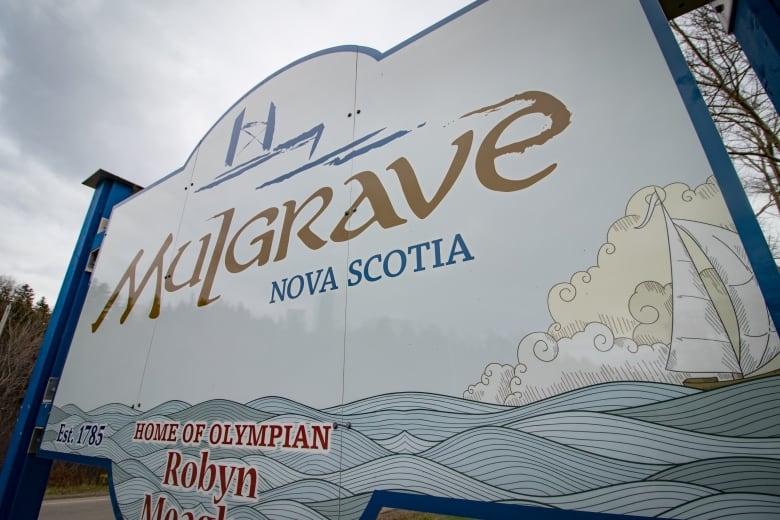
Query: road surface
point(81, 508)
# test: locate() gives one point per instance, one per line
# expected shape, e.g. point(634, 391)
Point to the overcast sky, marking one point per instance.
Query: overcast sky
point(131, 86)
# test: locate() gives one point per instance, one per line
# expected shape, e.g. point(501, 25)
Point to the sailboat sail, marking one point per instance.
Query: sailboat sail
point(705, 346)
point(694, 347)
point(729, 259)
point(772, 348)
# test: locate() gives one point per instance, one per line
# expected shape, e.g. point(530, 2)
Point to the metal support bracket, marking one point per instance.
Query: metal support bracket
point(35, 440)
point(725, 10)
point(51, 389)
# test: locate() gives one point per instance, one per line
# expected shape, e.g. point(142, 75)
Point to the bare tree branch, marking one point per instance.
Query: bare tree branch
point(747, 121)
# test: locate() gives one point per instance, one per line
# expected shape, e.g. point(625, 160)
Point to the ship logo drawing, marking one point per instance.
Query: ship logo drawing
point(712, 333)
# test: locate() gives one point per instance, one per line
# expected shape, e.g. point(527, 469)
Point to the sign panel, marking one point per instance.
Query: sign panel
point(493, 263)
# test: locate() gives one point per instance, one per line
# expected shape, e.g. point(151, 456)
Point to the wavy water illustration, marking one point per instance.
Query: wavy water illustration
point(639, 441)
point(731, 505)
point(738, 410)
point(525, 463)
point(728, 474)
point(631, 448)
point(405, 442)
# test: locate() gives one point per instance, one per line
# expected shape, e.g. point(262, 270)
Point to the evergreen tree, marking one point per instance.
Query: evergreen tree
point(42, 307)
point(20, 340)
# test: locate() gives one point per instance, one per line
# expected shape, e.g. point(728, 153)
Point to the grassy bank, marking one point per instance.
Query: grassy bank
point(81, 489)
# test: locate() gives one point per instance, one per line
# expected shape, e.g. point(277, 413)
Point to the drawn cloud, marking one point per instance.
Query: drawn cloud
point(612, 321)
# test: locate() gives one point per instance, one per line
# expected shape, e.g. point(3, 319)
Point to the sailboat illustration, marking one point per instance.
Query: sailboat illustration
point(731, 332)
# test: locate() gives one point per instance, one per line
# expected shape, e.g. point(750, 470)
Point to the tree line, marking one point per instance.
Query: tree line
point(23, 322)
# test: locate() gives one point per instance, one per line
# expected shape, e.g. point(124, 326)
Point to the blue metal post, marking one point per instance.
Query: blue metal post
point(24, 475)
point(756, 25)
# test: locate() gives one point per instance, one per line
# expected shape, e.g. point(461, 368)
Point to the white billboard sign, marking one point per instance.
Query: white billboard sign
point(479, 266)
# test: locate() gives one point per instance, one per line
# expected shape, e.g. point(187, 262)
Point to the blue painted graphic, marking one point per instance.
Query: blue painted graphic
point(312, 136)
point(628, 448)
